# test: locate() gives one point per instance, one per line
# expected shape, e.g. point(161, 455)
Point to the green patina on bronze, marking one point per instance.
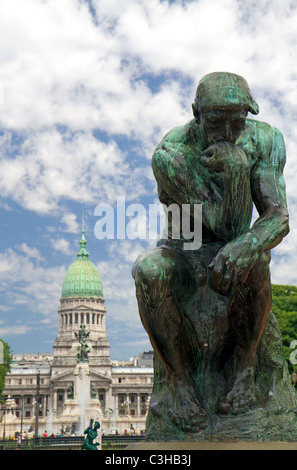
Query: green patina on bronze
point(91, 434)
point(220, 372)
point(82, 335)
point(82, 278)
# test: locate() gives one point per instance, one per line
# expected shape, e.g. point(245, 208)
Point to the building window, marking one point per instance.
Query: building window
point(28, 414)
point(76, 318)
point(132, 412)
point(88, 318)
point(28, 400)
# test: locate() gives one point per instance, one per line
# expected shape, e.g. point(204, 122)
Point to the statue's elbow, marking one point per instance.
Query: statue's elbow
point(285, 227)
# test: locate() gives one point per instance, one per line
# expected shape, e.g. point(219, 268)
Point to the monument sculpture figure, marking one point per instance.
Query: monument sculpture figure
point(70, 391)
point(91, 434)
point(219, 365)
point(83, 354)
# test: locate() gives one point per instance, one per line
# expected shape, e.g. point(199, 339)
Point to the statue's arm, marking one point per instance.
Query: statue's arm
point(269, 195)
point(177, 171)
point(235, 260)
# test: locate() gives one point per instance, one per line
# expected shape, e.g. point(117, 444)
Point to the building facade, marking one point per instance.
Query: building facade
point(47, 392)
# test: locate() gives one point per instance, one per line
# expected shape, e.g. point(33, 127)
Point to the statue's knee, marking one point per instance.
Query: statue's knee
point(161, 270)
point(151, 268)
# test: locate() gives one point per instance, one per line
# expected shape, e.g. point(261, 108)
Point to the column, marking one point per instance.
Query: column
point(55, 399)
point(116, 405)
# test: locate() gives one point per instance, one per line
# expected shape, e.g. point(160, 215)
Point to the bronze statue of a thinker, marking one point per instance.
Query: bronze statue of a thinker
point(205, 310)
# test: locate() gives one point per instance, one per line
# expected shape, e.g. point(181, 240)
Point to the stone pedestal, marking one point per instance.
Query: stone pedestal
point(271, 417)
point(82, 405)
point(193, 446)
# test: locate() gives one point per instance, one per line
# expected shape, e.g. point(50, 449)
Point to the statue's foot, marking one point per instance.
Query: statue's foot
point(185, 411)
point(224, 407)
point(241, 397)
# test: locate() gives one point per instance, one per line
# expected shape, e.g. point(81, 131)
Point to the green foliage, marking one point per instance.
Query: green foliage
point(284, 307)
point(4, 364)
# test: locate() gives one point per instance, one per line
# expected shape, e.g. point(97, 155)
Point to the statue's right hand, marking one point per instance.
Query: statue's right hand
point(218, 157)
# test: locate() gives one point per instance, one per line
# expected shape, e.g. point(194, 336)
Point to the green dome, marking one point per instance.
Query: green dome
point(82, 278)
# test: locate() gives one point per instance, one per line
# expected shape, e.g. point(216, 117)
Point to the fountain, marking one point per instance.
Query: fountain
point(79, 402)
point(82, 394)
point(49, 422)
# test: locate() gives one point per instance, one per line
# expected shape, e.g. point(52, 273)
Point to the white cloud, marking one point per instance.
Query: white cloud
point(14, 330)
point(51, 167)
point(30, 252)
point(61, 68)
point(69, 219)
point(26, 281)
point(61, 245)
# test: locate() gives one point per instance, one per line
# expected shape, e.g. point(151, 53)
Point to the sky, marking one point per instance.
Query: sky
point(87, 90)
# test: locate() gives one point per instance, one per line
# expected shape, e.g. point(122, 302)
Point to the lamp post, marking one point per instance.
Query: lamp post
point(20, 397)
point(37, 405)
point(4, 421)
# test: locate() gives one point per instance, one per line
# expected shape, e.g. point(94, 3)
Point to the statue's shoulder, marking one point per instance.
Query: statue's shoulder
point(263, 143)
point(263, 133)
point(176, 136)
point(170, 146)
point(172, 142)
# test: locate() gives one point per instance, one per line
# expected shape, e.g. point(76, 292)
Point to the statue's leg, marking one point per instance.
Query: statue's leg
point(164, 280)
point(248, 311)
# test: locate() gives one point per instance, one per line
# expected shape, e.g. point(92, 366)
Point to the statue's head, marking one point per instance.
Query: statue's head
point(222, 102)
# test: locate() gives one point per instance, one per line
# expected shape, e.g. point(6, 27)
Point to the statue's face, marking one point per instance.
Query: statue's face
point(222, 125)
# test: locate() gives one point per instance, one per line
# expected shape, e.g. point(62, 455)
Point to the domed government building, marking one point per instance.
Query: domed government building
point(52, 391)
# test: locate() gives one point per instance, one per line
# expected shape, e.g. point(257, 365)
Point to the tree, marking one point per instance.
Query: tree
point(5, 361)
point(284, 307)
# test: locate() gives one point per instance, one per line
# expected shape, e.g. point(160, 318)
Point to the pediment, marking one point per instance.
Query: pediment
point(102, 377)
point(66, 375)
point(63, 375)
